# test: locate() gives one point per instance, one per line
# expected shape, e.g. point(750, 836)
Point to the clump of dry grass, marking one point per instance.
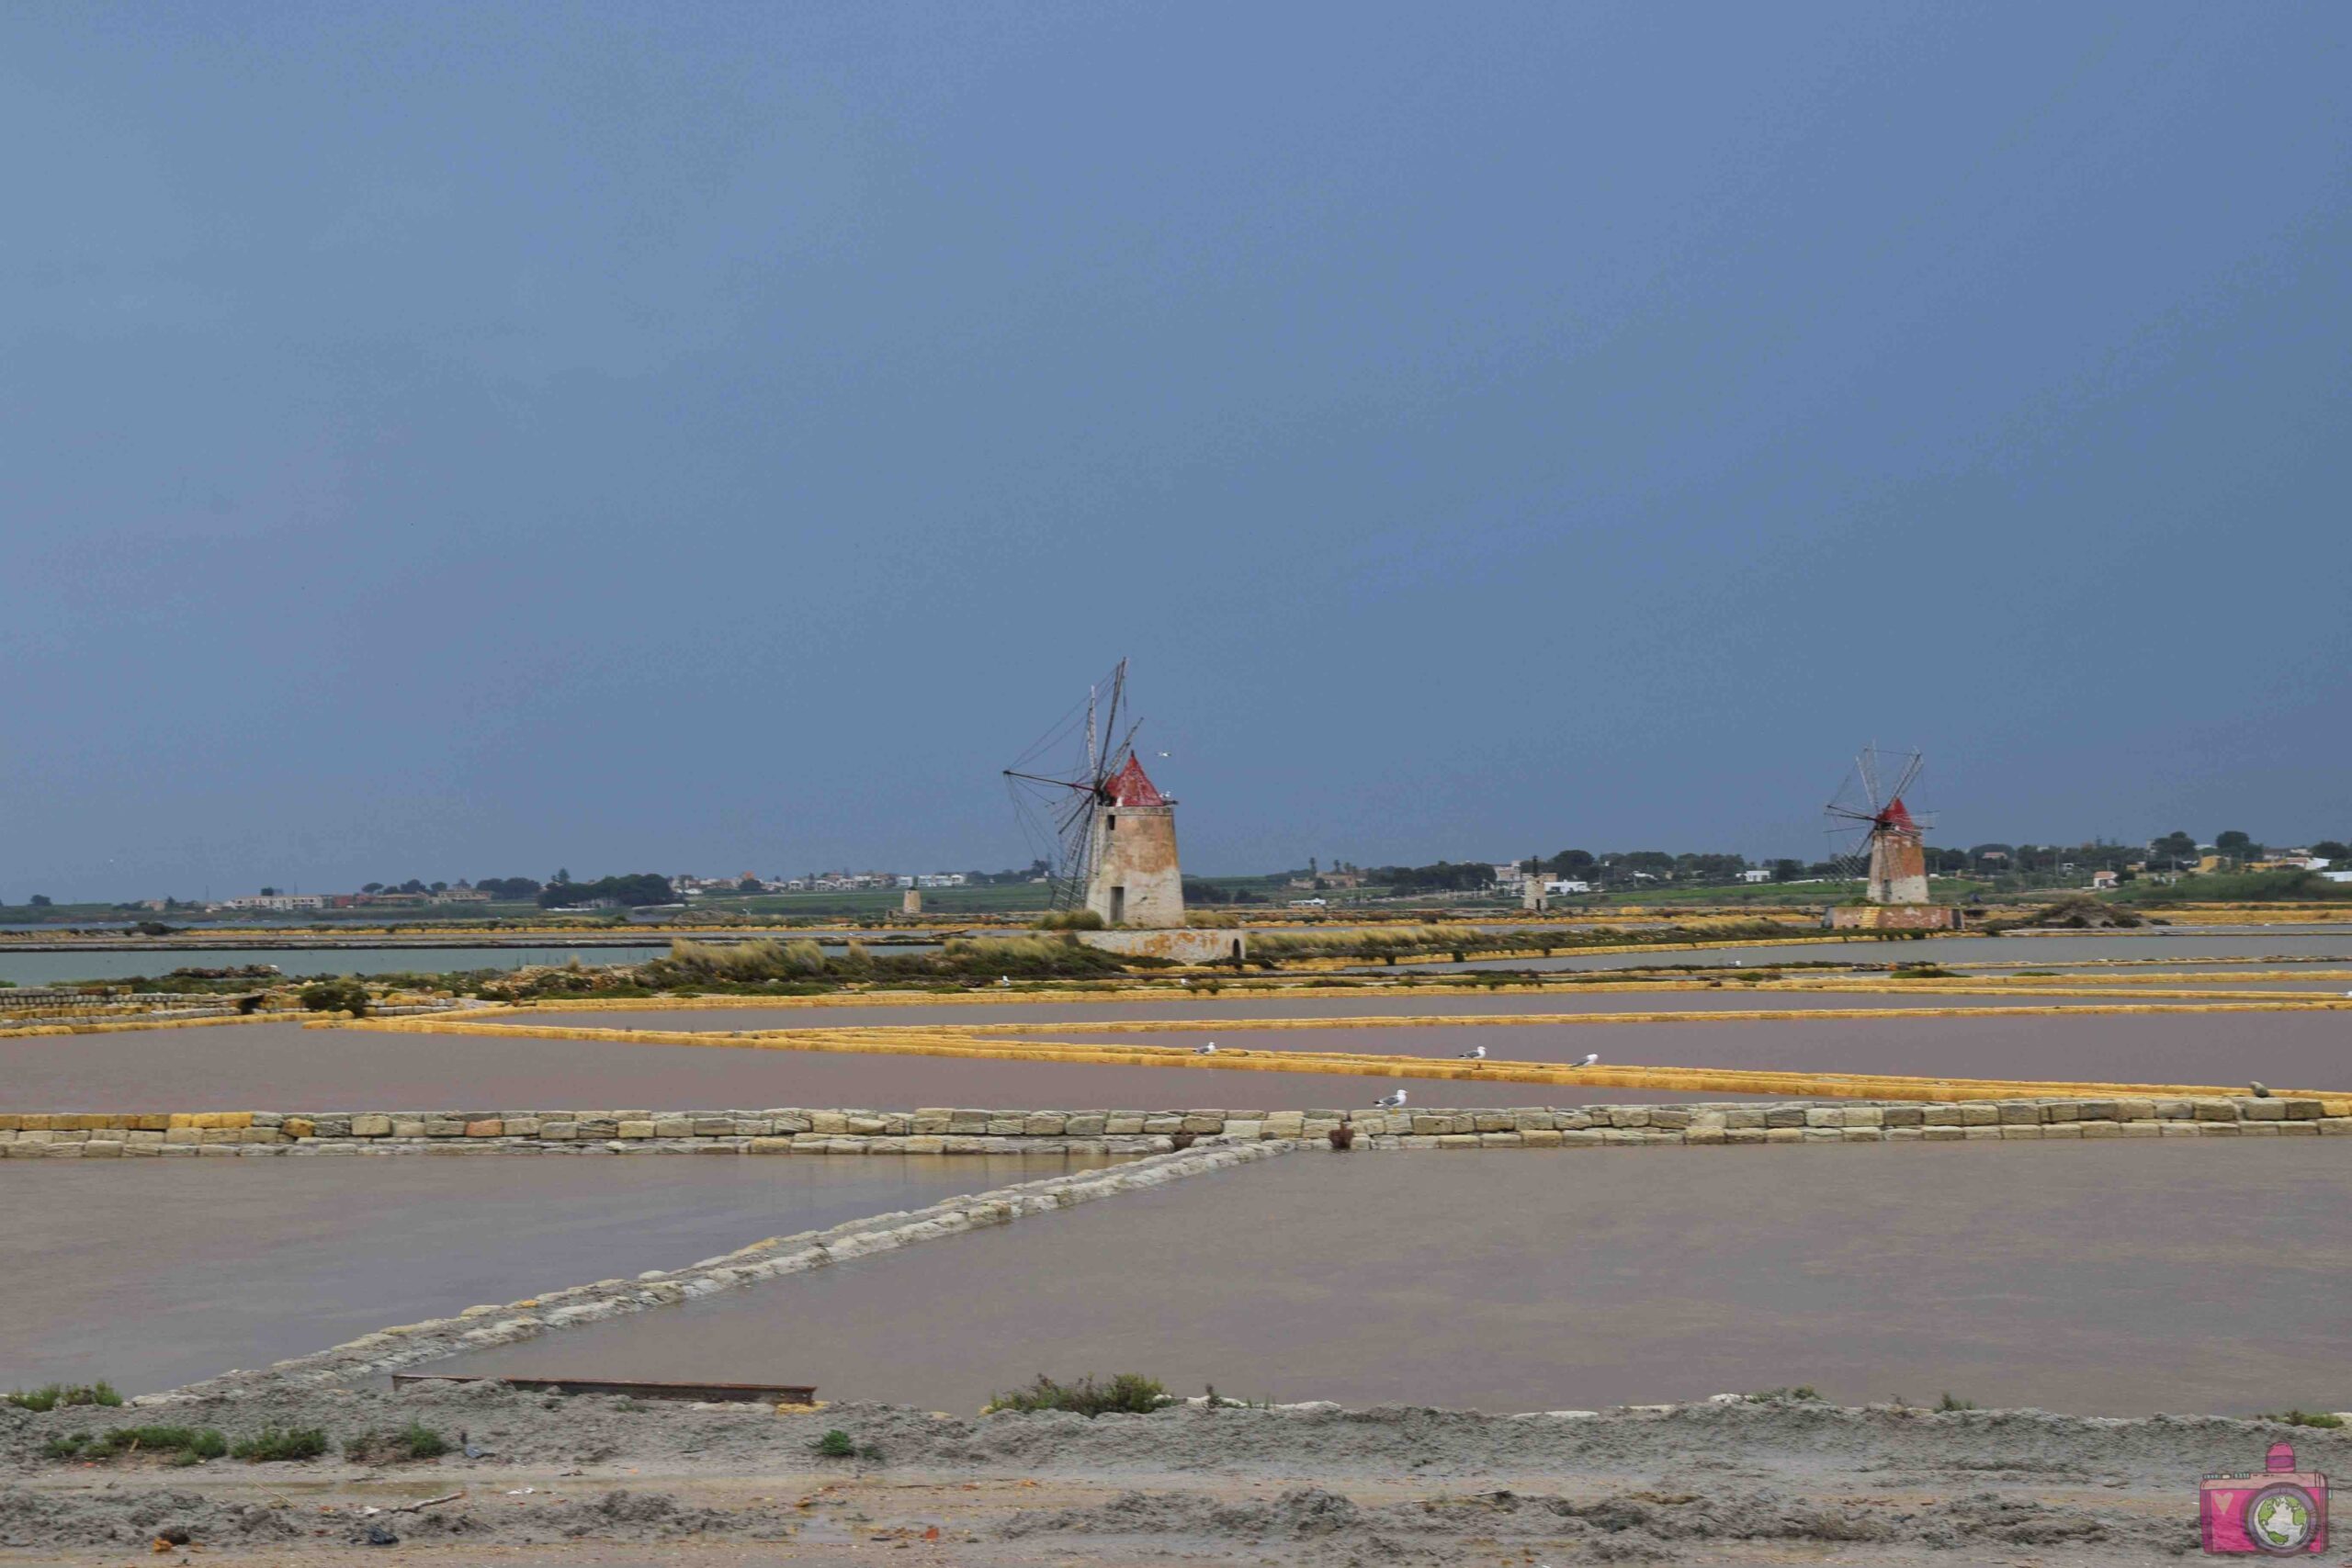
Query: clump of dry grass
point(743, 963)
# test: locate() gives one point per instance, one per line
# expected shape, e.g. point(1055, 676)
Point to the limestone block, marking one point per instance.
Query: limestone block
point(2335, 1126)
point(1979, 1113)
point(259, 1135)
point(1542, 1138)
point(2054, 1111)
point(1823, 1135)
point(1093, 1124)
point(830, 1123)
point(1982, 1131)
point(2161, 1109)
point(1672, 1117)
point(1490, 1122)
point(930, 1125)
point(1163, 1123)
point(1709, 1134)
point(1905, 1134)
point(1941, 1134)
point(1047, 1124)
point(1783, 1117)
point(864, 1126)
point(2098, 1111)
point(2100, 1128)
point(560, 1132)
point(2019, 1113)
point(670, 1127)
point(1741, 1117)
point(1245, 1129)
point(521, 1126)
point(2253, 1110)
point(2303, 1110)
point(1531, 1120)
point(713, 1126)
point(1744, 1134)
point(2285, 1129)
point(1580, 1138)
point(1122, 1124)
point(177, 1135)
point(2214, 1110)
point(1825, 1116)
point(2064, 1130)
point(298, 1127)
point(1862, 1134)
point(1902, 1116)
point(1629, 1116)
point(1865, 1116)
point(103, 1148)
point(486, 1129)
point(1939, 1115)
point(634, 1128)
point(2261, 1129)
point(1784, 1134)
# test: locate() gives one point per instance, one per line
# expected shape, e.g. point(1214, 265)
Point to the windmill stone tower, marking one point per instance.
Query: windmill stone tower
point(1133, 878)
point(1868, 816)
point(1898, 872)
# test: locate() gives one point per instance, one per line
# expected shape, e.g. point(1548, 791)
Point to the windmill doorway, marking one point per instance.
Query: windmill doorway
point(1118, 906)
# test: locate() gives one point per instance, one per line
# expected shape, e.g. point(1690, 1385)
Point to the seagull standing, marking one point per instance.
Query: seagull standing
point(1207, 1050)
point(1476, 1053)
point(1390, 1102)
point(1590, 1058)
point(1004, 980)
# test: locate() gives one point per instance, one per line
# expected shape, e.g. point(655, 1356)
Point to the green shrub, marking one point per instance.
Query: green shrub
point(835, 1444)
point(1069, 921)
point(413, 1441)
point(348, 993)
point(2302, 1418)
point(1129, 1393)
point(194, 1443)
point(1949, 1402)
point(281, 1445)
point(1780, 1396)
point(51, 1395)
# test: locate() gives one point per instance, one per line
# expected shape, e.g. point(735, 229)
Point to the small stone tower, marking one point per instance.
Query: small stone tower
point(1898, 863)
point(1133, 879)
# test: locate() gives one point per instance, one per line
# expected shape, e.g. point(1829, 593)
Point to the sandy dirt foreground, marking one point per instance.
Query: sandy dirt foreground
point(592, 1480)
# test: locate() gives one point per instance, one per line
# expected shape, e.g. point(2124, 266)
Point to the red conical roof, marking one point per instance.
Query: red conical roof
point(1129, 787)
point(1897, 816)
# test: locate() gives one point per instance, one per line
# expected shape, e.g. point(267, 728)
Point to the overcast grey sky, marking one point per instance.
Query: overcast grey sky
point(466, 440)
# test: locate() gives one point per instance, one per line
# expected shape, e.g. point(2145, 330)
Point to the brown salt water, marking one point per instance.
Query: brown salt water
point(2115, 1278)
point(154, 1273)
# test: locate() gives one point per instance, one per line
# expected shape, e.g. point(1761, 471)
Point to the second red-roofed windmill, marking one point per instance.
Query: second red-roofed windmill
point(1875, 833)
point(1111, 833)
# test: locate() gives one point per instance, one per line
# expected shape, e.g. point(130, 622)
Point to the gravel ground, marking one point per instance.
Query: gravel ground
point(1717, 1481)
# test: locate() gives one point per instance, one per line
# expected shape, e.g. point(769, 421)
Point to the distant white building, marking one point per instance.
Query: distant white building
point(1755, 873)
point(1562, 885)
point(278, 901)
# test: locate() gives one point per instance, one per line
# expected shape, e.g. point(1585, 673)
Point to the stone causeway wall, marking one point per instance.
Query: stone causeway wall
point(220, 1134)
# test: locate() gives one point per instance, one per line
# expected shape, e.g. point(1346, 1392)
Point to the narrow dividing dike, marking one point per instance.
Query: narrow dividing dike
point(981, 1042)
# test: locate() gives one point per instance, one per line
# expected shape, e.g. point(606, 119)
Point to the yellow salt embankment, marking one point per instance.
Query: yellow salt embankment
point(977, 1042)
point(28, 1030)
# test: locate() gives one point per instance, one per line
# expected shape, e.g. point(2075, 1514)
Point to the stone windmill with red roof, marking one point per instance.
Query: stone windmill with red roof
point(1870, 825)
point(1109, 834)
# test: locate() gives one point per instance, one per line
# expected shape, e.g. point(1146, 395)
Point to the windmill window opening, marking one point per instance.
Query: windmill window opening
point(1111, 823)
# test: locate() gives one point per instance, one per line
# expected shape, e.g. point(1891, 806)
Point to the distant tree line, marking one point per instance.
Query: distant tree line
point(633, 891)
